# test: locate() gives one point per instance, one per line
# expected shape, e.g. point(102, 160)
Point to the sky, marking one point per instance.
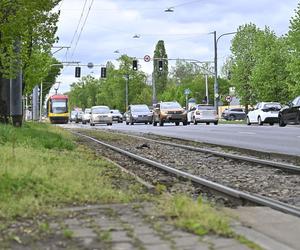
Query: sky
point(96, 29)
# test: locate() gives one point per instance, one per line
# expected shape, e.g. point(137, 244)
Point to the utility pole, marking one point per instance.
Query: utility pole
point(206, 89)
point(216, 85)
point(16, 89)
point(35, 106)
point(126, 91)
point(154, 101)
point(41, 100)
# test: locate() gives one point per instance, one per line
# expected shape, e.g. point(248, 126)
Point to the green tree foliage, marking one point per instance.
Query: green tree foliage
point(293, 46)
point(111, 91)
point(242, 48)
point(160, 77)
point(29, 26)
point(258, 65)
point(187, 75)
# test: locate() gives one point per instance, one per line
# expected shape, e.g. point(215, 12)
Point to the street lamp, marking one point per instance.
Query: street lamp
point(126, 77)
point(216, 85)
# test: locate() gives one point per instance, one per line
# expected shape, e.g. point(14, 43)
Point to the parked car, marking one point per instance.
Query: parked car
point(290, 114)
point(100, 115)
point(232, 114)
point(73, 116)
point(76, 116)
point(116, 115)
point(86, 116)
point(203, 114)
point(264, 112)
point(138, 113)
point(169, 112)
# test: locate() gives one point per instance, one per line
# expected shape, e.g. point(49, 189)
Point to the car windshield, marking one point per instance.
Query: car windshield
point(275, 106)
point(115, 111)
point(59, 106)
point(140, 108)
point(100, 110)
point(170, 105)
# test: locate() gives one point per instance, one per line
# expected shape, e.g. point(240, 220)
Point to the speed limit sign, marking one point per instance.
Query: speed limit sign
point(147, 58)
point(228, 98)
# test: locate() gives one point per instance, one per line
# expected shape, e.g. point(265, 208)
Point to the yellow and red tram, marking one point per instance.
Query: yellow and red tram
point(57, 109)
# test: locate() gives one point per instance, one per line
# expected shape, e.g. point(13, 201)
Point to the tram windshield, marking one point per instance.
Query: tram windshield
point(59, 106)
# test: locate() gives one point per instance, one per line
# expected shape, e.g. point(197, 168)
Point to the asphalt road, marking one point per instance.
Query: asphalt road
point(262, 138)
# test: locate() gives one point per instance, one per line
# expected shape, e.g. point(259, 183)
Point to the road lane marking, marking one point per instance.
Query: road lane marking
point(248, 133)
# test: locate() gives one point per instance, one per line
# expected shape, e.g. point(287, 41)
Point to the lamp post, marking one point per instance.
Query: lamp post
point(126, 91)
point(216, 85)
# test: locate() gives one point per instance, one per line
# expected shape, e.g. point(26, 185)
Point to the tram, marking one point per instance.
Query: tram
point(57, 109)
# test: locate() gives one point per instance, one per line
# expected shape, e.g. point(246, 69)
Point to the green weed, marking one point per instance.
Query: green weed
point(197, 217)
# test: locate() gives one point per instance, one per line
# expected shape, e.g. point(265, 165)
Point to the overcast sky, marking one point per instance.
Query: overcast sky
point(111, 25)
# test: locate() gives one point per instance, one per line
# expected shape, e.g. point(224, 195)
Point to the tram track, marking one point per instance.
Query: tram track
point(227, 191)
point(274, 164)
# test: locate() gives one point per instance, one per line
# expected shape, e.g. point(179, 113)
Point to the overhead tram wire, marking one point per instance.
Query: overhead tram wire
point(76, 30)
point(82, 27)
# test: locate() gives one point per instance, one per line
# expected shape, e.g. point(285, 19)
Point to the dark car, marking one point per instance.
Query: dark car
point(116, 115)
point(138, 113)
point(234, 114)
point(290, 114)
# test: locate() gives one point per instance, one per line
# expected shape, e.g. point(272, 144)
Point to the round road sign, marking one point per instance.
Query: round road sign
point(228, 98)
point(147, 58)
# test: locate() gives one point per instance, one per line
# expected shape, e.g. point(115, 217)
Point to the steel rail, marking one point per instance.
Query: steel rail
point(277, 205)
point(268, 163)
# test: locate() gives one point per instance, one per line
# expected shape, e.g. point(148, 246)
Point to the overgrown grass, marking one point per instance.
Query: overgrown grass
point(197, 217)
point(222, 121)
point(41, 168)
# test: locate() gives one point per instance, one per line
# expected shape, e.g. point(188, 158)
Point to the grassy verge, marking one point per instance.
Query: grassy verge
point(222, 121)
point(199, 217)
point(42, 168)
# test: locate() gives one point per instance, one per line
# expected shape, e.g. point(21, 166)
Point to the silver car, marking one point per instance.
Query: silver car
point(86, 116)
point(138, 113)
point(203, 114)
point(100, 115)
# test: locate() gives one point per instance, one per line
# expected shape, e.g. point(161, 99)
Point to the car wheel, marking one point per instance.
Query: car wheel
point(83, 122)
point(231, 117)
point(185, 123)
point(248, 121)
point(207, 123)
point(146, 123)
point(216, 123)
point(271, 123)
point(259, 121)
point(281, 122)
point(154, 123)
point(161, 123)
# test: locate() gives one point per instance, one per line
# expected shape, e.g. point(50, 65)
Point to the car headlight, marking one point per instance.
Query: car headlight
point(134, 116)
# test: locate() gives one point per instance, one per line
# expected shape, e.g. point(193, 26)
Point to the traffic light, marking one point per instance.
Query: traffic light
point(103, 72)
point(77, 71)
point(134, 64)
point(160, 65)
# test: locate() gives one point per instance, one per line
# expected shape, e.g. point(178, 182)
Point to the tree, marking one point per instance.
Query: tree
point(111, 91)
point(160, 77)
point(30, 25)
point(293, 46)
point(242, 48)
